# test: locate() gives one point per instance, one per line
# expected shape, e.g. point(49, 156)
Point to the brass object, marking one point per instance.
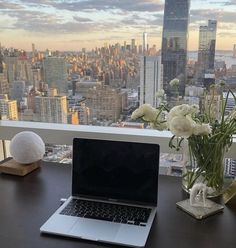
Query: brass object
point(230, 193)
point(10, 166)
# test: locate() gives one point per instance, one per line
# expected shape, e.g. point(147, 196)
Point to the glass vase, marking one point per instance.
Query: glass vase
point(205, 163)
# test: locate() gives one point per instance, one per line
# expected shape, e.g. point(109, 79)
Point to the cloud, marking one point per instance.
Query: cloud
point(9, 5)
point(227, 35)
point(128, 5)
point(232, 2)
point(215, 14)
point(37, 21)
point(81, 19)
point(50, 20)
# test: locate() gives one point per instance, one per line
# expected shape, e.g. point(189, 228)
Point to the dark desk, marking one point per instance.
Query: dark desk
point(27, 202)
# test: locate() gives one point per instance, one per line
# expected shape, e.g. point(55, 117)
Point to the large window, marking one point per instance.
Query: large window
point(94, 62)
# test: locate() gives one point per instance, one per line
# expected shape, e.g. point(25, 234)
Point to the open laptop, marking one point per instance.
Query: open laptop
point(114, 193)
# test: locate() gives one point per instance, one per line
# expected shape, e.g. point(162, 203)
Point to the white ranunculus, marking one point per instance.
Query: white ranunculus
point(137, 114)
point(160, 93)
point(181, 126)
point(174, 82)
point(180, 110)
point(194, 109)
point(145, 111)
point(202, 129)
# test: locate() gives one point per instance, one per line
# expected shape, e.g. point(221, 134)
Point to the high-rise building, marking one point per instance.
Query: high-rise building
point(8, 109)
point(234, 51)
point(151, 79)
point(206, 49)
point(17, 91)
point(33, 49)
point(4, 86)
point(23, 68)
point(145, 43)
point(11, 64)
point(133, 47)
point(55, 73)
point(51, 109)
point(174, 43)
point(104, 103)
point(84, 114)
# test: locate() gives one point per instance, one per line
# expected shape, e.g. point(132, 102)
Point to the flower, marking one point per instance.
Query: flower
point(208, 130)
point(174, 82)
point(160, 93)
point(146, 112)
point(181, 126)
point(202, 129)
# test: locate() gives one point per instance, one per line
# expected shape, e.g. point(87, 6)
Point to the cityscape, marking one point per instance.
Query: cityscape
point(102, 84)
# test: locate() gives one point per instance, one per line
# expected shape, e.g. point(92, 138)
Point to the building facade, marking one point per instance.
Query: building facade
point(206, 49)
point(174, 43)
point(151, 79)
point(51, 109)
point(8, 108)
point(55, 73)
point(145, 43)
point(104, 103)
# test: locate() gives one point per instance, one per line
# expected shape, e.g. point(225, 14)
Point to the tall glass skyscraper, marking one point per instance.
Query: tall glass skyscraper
point(206, 49)
point(174, 43)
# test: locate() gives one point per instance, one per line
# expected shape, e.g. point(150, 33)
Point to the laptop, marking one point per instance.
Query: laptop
point(114, 193)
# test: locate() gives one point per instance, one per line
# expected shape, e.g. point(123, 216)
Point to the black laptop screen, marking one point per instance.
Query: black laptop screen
point(118, 170)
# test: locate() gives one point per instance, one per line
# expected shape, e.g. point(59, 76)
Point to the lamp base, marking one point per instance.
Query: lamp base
point(10, 166)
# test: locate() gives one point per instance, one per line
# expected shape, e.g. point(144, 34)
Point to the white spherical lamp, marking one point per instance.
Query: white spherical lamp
point(27, 147)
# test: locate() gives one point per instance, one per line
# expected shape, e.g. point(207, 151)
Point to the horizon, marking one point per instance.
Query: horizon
point(71, 25)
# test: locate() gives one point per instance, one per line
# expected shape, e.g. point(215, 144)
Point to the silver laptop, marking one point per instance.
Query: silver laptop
point(114, 193)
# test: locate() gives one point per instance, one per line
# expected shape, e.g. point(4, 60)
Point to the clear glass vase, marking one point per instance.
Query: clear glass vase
point(205, 163)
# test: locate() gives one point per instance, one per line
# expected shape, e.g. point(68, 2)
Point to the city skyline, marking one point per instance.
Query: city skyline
point(72, 25)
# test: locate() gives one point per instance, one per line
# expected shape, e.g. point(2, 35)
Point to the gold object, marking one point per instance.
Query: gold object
point(10, 166)
point(230, 192)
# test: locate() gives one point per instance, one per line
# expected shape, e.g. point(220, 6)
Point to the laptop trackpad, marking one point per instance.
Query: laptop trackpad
point(94, 229)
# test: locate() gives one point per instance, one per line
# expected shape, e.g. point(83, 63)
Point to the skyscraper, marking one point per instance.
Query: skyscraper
point(151, 79)
point(55, 74)
point(133, 47)
point(145, 43)
point(174, 42)
point(105, 103)
point(206, 49)
point(51, 109)
point(8, 108)
point(234, 51)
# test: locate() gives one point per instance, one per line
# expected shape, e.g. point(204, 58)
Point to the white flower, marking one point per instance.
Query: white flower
point(160, 93)
point(174, 82)
point(145, 111)
point(194, 109)
point(180, 110)
point(202, 129)
point(181, 126)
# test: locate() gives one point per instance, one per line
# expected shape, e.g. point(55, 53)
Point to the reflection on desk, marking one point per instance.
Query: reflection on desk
point(27, 202)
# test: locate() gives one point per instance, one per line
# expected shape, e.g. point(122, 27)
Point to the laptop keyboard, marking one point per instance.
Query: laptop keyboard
point(107, 211)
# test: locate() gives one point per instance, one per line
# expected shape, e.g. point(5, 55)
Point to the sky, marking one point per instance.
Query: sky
point(76, 24)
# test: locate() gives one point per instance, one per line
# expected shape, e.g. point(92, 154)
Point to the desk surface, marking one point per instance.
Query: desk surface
point(27, 202)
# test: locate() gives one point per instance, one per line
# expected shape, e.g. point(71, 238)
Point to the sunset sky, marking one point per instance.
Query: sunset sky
point(73, 24)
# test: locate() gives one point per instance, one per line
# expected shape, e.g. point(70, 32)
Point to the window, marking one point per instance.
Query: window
point(93, 62)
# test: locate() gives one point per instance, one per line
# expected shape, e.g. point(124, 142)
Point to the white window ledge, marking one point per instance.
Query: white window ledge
point(53, 133)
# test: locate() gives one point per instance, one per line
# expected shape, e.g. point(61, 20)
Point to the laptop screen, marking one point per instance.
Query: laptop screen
point(124, 171)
